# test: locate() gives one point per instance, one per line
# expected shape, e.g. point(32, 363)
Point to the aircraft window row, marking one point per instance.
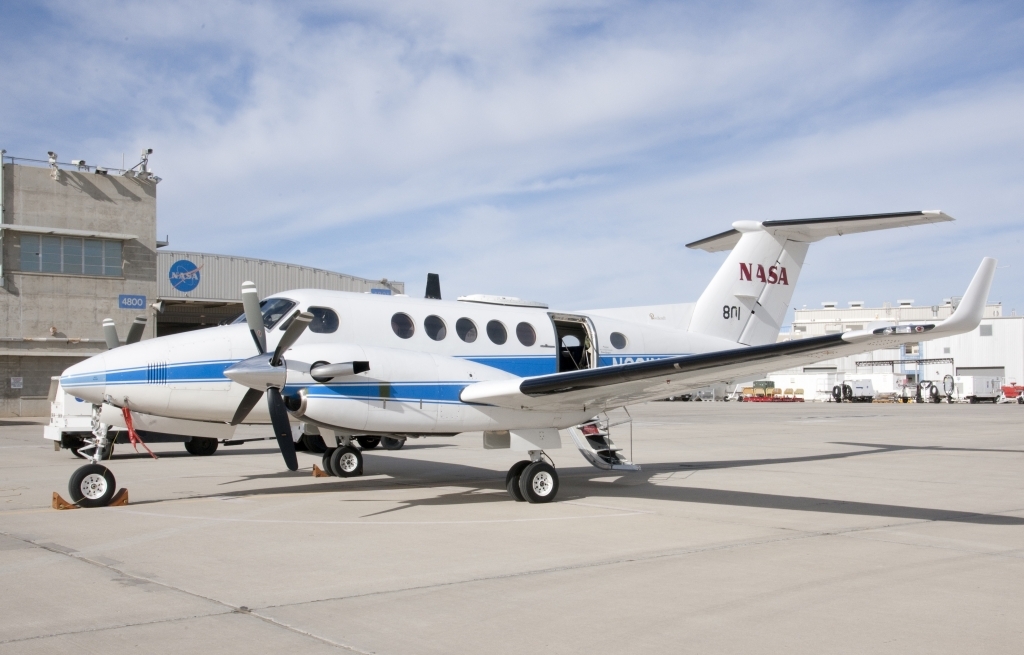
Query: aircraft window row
point(435, 327)
point(618, 340)
point(466, 329)
point(325, 321)
point(496, 332)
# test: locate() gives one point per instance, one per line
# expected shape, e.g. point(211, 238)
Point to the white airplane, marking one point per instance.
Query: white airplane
point(364, 366)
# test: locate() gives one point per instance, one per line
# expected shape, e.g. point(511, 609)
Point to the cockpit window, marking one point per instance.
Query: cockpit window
point(273, 309)
point(325, 320)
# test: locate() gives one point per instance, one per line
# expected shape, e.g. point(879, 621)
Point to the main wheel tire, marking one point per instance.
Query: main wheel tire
point(512, 480)
point(392, 443)
point(539, 482)
point(202, 446)
point(347, 462)
point(314, 443)
point(92, 485)
point(326, 461)
point(368, 443)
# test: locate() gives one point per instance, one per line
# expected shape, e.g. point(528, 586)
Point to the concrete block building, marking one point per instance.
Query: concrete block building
point(78, 244)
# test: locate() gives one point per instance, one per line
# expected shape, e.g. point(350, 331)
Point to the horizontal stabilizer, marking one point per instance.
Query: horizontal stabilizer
point(814, 229)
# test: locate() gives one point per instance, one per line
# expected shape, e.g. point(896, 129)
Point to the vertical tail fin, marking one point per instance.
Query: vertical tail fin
point(747, 300)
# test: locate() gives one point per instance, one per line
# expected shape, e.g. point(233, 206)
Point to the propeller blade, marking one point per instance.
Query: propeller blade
point(135, 332)
point(110, 334)
point(253, 315)
point(282, 428)
point(291, 335)
point(249, 400)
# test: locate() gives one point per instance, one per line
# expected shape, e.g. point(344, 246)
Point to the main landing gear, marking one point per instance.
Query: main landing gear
point(535, 480)
point(345, 461)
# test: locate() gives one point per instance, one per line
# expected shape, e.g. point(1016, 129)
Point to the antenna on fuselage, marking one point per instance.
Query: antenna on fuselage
point(433, 286)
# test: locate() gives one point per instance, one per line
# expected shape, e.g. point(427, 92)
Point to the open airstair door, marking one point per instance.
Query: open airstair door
point(576, 342)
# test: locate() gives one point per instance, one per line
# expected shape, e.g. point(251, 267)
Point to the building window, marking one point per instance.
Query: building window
point(986, 330)
point(799, 328)
point(912, 349)
point(70, 255)
point(945, 351)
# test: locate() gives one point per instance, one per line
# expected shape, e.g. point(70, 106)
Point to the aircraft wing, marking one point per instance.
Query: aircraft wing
point(615, 386)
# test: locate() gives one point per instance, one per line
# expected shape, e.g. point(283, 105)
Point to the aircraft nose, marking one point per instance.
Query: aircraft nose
point(87, 380)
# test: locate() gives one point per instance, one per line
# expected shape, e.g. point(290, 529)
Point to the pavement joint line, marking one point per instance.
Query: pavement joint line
point(116, 626)
point(570, 567)
point(797, 535)
point(229, 609)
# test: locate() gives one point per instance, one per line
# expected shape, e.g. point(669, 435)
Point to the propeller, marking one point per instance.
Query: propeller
point(267, 375)
point(135, 331)
point(110, 333)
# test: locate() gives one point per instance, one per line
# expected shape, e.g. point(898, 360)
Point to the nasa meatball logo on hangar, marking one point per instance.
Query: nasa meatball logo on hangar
point(184, 275)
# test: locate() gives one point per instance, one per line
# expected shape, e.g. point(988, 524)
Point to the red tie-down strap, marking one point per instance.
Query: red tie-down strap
point(133, 435)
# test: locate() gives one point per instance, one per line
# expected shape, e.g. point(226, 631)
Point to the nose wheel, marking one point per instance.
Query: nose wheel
point(532, 481)
point(92, 485)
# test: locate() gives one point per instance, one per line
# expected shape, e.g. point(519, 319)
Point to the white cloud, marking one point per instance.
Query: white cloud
point(564, 152)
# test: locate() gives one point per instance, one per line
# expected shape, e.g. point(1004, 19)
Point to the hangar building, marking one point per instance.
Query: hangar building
point(994, 348)
point(78, 244)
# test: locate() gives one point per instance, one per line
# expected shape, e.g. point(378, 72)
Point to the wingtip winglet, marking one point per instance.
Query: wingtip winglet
point(971, 309)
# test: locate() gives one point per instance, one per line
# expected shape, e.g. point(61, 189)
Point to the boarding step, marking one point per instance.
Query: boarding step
point(594, 441)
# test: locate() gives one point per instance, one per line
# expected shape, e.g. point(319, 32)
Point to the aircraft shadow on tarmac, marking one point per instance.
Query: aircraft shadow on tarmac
point(576, 482)
point(124, 452)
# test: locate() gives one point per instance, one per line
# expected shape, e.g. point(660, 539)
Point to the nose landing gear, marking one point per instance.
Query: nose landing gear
point(93, 485)
point(532, 480)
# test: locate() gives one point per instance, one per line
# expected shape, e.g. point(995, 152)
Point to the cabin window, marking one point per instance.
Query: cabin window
point(466, 329)
point(325, 321)
point(403, 325)
point(526, 334)
point(618, 340)
point(435, 327)
point(496, 332)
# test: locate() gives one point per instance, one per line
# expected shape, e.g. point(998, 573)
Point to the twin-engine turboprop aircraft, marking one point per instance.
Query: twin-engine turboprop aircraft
point(361, 366)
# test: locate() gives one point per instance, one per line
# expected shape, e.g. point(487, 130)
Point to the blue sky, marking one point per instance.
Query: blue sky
point(557, 151)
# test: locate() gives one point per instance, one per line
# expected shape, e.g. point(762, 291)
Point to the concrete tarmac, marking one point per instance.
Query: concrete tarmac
point(752, 528)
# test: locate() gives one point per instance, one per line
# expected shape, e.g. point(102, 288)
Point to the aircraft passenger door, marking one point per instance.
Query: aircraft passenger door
point(576, 342)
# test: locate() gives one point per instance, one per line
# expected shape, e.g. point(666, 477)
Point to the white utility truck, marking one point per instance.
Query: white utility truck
point(978, 388)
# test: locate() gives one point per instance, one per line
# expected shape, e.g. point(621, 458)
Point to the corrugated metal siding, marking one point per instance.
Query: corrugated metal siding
point(221, 277)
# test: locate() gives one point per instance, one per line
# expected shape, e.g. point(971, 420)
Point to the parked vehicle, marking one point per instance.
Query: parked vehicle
point(979, 388)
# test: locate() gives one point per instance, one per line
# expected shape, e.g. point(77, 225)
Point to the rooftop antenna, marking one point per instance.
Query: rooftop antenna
point(54, 169)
